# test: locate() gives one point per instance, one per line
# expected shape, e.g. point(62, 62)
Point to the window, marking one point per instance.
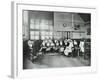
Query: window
point(34, 35)
point(57, 35)
point(43, 28)
point(41, 25)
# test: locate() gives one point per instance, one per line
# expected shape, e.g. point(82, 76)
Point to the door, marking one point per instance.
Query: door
point(67, 34)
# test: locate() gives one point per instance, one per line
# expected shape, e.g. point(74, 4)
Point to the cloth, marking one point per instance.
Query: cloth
point(48, 44)
point(66, 51)
point(81, 46)
point(70, 46)
point(75, 43)
point(52, 44)
point(61, 49)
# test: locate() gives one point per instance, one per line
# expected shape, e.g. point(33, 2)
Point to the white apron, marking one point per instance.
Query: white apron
point(82, 46)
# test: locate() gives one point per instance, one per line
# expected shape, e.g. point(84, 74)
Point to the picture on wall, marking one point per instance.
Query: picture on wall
point(52, 39)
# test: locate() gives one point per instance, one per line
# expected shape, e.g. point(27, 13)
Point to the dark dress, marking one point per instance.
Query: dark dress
point(75, 51)
point(36, 47)
point(26, 49)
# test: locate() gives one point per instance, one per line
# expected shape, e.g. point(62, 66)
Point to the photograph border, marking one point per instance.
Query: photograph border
point(16, 40)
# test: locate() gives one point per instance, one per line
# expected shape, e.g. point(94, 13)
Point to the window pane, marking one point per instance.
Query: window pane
point(36, 37)
point(43, 22)
point(58, 37)
point(76, 35)
point(36, 33)
point(42, 26)
point(37, 26)
point(50, 22)
point(32, 37)
point(46, 22)
point(42, 37)
point(60, 33)
point(31, 32)
point(55, 37)
point(57, 34)
point(50, 33)
point(47, 33)
point(32, 26)
point(50, 37)
point(54, 33)
point(50, 27)
point(46, 27)
point(32, 21)
point(46, 37)
point(43, 32)
point(65, 34)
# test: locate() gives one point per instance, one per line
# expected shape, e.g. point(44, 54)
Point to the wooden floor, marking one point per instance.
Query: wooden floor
point(54, 61)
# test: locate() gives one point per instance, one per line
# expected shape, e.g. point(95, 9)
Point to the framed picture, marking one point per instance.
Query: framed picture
point(51, 40)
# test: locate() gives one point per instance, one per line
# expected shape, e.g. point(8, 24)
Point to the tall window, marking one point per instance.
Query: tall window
point(41, 25)
point(34, 29)
point(57, 35)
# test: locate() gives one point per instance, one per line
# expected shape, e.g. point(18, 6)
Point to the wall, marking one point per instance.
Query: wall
point(70, 19)
point(60, 18)
point(5, 45)
point(25, 25)
point(42, 20)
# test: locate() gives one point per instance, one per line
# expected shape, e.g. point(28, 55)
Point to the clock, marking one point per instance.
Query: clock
point(64, 25)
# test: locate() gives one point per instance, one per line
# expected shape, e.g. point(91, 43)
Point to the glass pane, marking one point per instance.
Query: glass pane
point(51, 33)
point(32, 26)
point(55, 37)
point(31, 32)
point(46, 22)
point(50, 22)
point(47, 37)
point(36, 37)
point(37, 26)
point(54, 33)
point(37, 21)
point(46, 27)
point(42, 37)
point(59, 37)
point(32, 37)
point(36, 33)
point(47, 33)
point(43, 22)
point(60, 33)
point(43, 32)
point(32, 21)
point(76, 35)
point(57, 34)
point(50, 37)
point(50, 27)
point(42, 26)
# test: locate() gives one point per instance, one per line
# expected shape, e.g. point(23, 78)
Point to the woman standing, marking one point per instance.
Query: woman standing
point(81, 45)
